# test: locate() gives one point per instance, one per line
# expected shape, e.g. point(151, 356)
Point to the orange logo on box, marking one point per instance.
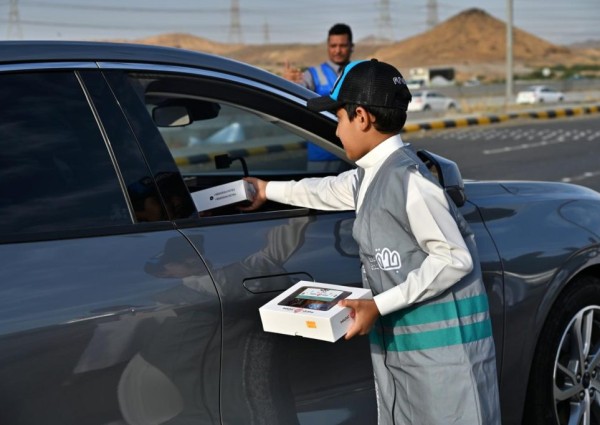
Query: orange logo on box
point(311, 324)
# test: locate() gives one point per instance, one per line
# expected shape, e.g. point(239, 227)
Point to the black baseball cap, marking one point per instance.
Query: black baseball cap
point(367, 83)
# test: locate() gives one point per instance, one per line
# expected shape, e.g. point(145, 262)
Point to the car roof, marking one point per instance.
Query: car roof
point(14, 52)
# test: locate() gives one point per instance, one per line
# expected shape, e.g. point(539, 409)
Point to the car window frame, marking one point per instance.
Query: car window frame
point(213, 78)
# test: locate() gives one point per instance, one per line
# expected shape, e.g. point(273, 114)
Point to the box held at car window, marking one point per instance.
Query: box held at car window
point(225, 194)
point(310, 310)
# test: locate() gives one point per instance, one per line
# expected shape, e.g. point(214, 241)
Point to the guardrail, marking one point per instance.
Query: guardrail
point(484, 119)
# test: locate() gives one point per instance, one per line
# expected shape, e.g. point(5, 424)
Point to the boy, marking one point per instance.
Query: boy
point(429, 323)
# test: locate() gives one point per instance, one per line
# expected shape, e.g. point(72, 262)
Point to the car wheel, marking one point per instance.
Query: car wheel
point(561, 99)
point(564, 384)
point(426, 108)
point(452, 107)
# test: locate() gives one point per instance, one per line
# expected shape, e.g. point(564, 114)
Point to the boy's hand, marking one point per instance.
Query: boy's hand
point(364, 313)
point(260, 197)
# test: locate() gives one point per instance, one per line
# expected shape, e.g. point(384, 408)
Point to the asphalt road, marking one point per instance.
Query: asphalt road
point(563, 150)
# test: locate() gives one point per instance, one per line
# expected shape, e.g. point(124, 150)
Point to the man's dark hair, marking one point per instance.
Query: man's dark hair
point(387, 120)
point(341, 29)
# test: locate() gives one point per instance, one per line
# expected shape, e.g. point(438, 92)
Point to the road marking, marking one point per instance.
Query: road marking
point(524, 146)
point(546, 137)
point(584, 176)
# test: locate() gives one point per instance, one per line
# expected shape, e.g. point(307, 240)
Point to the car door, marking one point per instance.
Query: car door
point(93, 330)
point(252, 257)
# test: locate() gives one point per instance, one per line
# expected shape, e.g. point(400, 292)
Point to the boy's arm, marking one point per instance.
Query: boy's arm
point(332, 193)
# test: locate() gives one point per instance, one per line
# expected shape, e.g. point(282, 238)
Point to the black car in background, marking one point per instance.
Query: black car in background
point(120, 303)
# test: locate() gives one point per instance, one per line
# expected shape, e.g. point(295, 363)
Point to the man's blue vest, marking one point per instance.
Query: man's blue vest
point(324, 77)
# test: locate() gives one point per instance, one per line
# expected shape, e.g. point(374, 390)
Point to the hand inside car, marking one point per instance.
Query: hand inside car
point(292, 73)
point(260, 197)
point(364, 313)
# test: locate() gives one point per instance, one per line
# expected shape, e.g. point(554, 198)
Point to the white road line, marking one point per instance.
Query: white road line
point(523, 146)
point(584, 176)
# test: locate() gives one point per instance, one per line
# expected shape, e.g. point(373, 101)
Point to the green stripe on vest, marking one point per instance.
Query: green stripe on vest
point(433, 339)
point(430, 313)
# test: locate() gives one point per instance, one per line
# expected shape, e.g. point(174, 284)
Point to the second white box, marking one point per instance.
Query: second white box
point(309, 309)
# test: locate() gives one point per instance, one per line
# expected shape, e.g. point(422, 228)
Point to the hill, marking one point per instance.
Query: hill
point(473, 41)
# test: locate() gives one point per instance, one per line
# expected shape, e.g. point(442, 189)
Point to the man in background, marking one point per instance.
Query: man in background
point(321, 79)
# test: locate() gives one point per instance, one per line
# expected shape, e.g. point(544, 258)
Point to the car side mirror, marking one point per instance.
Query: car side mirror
point(171, 116)
point(448, 175)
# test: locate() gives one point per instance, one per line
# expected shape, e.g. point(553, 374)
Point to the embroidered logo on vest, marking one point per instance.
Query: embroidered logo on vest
point(388, 259)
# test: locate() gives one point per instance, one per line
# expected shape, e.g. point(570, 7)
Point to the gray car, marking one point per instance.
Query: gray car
point(121, 303)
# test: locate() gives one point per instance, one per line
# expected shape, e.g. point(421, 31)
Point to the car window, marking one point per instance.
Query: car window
point(262, 143)
point(56, 172)
point(214, 130)
point(208, 126)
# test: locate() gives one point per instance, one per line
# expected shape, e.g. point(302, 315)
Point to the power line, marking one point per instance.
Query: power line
point(74, 6)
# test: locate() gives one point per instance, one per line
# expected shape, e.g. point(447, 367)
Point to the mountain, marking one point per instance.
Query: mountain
point(588, 44)
point(473, 42)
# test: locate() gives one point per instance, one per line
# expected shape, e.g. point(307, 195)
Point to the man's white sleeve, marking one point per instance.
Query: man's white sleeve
point(437, 233)
point(326, 193)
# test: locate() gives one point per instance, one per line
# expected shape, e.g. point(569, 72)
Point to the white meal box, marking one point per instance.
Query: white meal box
point(310, 310)
point(224, 194)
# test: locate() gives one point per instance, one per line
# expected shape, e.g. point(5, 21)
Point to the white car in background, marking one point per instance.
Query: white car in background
point(539, 94)
point(415, 84)
point(427, 100)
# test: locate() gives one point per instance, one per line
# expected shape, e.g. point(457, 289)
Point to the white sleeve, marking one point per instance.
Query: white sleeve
point(448, 258)
point(326, 193)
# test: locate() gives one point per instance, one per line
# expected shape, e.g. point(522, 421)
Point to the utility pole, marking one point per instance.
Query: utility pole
point(235, 28)
point(14, 22)
point(509, 53)
point(432, 13)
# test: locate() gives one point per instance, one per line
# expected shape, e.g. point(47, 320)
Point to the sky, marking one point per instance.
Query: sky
point(281, 21)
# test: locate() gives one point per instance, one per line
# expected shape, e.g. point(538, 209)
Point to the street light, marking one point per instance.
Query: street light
point(509, 53)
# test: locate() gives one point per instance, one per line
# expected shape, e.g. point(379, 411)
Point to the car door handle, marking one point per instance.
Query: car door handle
point(274, 283)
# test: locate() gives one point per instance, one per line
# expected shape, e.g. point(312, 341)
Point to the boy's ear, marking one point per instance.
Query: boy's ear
point(364, 118)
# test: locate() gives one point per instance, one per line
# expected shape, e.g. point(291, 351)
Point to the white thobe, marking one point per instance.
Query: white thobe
point(433, 226)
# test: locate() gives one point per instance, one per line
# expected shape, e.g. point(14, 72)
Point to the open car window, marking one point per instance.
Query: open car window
point(198, 125)
point(218, 131)
point(261, 142)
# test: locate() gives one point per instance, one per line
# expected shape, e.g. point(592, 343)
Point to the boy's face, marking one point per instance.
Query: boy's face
point(350, 134)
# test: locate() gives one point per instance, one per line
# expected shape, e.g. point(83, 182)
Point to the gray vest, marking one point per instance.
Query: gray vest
point(434, 362)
